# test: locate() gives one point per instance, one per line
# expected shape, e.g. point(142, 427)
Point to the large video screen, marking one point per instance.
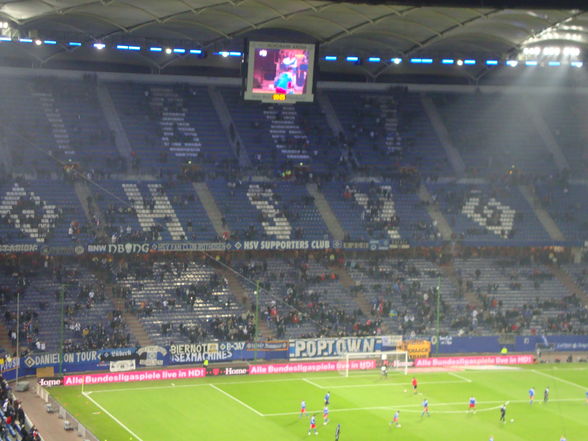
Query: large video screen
point(280, 72)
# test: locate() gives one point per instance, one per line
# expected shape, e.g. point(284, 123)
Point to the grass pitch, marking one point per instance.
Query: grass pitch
point(267, 407)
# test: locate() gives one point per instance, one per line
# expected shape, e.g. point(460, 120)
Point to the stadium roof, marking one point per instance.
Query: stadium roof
point(371, 28)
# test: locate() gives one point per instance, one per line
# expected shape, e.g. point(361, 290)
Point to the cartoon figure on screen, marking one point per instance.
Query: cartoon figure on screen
point(284, 83)
point(289, 62)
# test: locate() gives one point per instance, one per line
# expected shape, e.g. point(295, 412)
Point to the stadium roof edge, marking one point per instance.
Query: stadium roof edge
point(497, 4)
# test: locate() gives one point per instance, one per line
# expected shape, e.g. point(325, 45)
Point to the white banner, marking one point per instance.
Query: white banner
point(122, 365)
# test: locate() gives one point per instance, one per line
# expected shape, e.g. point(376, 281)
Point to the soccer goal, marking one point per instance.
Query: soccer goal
point(394, 360)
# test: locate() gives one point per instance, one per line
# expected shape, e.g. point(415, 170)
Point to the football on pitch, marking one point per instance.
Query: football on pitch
point(512, 420)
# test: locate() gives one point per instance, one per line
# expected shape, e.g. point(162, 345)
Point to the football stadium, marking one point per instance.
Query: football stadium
point(261, 220)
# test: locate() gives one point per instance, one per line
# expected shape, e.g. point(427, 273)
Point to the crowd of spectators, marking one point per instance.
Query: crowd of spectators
point(181, 297)
point(40, 290)
point(398, 293)
point(13, 417)
point(294, 295)
point(225, 328)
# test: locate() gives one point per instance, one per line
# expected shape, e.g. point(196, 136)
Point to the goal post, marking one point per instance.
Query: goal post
point(394, 360)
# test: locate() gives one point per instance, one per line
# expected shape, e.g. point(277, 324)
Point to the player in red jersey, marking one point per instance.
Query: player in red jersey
point(312, 425)
point(472, 404)
point(415, 384)
point(302, 408)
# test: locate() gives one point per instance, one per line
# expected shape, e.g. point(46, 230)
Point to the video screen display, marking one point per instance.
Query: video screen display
point(280, 72)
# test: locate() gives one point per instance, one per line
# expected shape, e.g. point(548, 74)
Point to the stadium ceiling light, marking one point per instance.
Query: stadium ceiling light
point(155, 49)
point(460, 62)
point(577, 63)
point(531, 63)
point(50, 42)
point(492, 62)
point(330, 58)
point(535, 50)
point(178, 50)
point(168, 50)
point(224, 54)
point(571, 51)
point(196, 51)
point(352, 59)
point(512, 63)
point(74, 43)
point(447, 61)
point(469, 62)
point(374, 59)
point(25, 40)
point(38, 42)
point(396, 60)
point(554, 63)
point(99, 46)
point(421, 60)
point(551, 50)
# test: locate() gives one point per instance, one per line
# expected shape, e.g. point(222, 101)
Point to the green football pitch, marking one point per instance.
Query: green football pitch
point(267, 407)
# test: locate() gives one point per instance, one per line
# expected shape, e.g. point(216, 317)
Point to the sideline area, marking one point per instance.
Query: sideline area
point(49, 424)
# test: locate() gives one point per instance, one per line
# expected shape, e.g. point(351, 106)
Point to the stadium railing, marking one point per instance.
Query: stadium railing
point(63, 414)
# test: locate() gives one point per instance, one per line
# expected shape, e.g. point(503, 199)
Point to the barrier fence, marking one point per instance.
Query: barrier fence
point(69, 421)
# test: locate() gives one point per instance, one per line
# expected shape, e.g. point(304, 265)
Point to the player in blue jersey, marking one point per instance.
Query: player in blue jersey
point(472, 404)
point(396, 419)
point(325, 416)
point(531, 395)
point(312, 425)
point(302, 409)
point(327, 398)
point(425, 408)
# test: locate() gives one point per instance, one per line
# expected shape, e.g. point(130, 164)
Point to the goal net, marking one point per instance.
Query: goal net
point(392, 360)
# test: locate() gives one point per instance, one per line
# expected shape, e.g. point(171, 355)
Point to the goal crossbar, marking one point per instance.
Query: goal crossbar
point(391, 359)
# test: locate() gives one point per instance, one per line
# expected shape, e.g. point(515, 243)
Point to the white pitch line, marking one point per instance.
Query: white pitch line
point(560, 379)
point(352, 375)
point(115, 419)
point(285, 380)
point(306, 380)
point(408, 406)
point(237, 400)
point(453, 374)
point(349, 386)
point(169, 386)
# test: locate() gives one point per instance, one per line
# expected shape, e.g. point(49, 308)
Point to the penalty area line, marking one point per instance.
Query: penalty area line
point(312, 383)
point(571, 383)
point(115, 419)
point(237, 400)
point(453, 374)
point(384, 384)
